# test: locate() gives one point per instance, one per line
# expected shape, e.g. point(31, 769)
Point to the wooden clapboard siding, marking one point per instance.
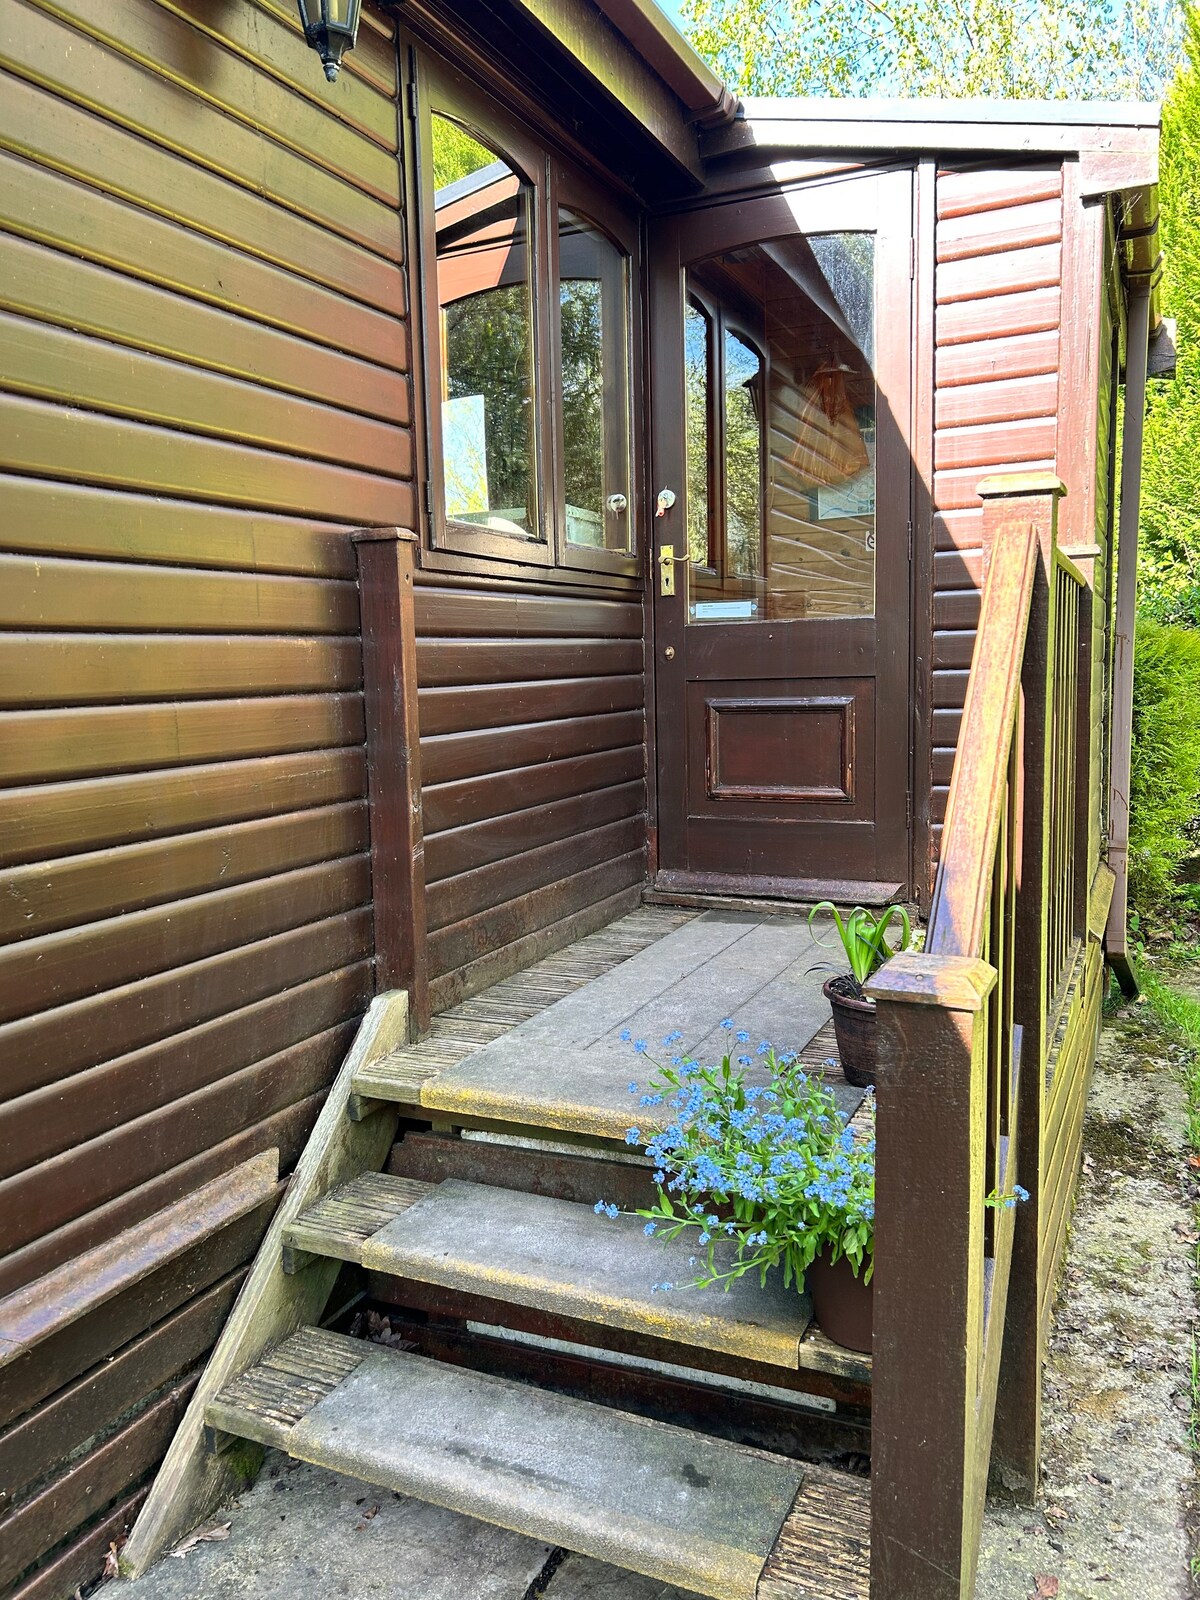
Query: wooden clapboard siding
point(93, 740)
point(533, 771)
point(204, 389)
point(102, 955)
point(41, 897)
point(80, 1180)
point(47, 1435)
point(35, 1127)
point(73, 519)
point(169, 105)
point(998, 297)
point(71, 1038)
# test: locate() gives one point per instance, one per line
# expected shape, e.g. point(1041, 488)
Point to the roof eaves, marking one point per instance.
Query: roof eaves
point(651, 33)
point(1122, 134)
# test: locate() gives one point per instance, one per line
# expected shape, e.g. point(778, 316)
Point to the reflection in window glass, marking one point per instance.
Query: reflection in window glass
point(482, 227)
point(696, 389)
point(795, 422)
point(743, 458)
point(593, 295)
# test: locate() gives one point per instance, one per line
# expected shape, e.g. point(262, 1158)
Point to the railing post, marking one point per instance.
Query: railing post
point(1025, 500)
point(926, 1488)
point(385, 571)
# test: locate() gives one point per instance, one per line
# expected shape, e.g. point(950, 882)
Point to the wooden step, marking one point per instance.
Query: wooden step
point(561, 1258)
point(567, 1068)
point(680, 1507)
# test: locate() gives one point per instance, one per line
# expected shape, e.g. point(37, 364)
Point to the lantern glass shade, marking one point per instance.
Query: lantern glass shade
point(330, 27)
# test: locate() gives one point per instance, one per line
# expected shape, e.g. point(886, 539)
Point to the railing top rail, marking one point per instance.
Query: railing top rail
point(1063, 560)
point(958, 916)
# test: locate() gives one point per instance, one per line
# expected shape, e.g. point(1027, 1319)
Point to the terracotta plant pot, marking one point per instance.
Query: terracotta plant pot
point(842, 1303)
point(854, 1025)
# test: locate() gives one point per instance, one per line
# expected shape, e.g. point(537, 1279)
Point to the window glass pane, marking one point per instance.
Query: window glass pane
point(482, 226)
point(696, 357)
point(796, 333)
point(593, 295)
point(743, 458)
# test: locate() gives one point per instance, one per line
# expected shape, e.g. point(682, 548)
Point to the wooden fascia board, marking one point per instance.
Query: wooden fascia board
point(625, 77)
point(1122, 151)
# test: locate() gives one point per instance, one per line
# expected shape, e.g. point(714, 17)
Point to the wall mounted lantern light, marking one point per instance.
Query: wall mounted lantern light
point(330, 26)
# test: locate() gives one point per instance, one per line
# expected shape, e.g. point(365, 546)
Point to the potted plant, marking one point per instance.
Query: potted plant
point(767, 1178)
point(863, 935)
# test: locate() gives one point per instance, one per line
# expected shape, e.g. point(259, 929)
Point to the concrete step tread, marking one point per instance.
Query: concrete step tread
point(680, 1507)
point(560, 1257)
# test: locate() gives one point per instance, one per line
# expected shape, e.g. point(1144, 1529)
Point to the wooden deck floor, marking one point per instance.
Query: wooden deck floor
point(521, 1014)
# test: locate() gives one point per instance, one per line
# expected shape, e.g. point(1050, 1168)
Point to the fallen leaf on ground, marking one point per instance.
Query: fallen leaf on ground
point(1045, 1586)
point(212, 1534)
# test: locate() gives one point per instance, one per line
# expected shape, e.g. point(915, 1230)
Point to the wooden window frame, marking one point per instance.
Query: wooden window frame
point(437, 87)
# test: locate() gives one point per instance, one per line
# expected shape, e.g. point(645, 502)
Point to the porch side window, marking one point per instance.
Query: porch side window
point(593, 355)
point(485, 393)
point(528, 290)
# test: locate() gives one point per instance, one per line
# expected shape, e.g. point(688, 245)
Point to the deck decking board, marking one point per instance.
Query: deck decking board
point(678, 968)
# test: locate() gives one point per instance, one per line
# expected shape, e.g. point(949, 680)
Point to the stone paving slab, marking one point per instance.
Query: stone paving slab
point(663, 1500)
point(580, 1578)
point(303, 1533)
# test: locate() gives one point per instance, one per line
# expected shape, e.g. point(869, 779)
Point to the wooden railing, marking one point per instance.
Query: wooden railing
point(963, 1029)
point(1068, 826)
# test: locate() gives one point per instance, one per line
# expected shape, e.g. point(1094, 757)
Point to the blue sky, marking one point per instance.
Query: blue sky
point(672, 10)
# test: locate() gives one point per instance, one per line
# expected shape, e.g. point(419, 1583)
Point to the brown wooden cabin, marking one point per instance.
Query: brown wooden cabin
point(525, 277)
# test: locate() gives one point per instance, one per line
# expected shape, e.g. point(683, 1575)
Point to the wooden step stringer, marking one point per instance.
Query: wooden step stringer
point(272, 1304)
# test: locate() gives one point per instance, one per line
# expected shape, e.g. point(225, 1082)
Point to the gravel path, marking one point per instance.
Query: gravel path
point(1114, 1517)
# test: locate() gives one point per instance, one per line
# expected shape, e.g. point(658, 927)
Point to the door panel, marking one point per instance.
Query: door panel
point(781, 748)
point(781, 377)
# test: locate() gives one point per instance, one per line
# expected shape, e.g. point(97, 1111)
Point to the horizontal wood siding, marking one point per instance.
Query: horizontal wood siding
point(996, 377)
point(533, 773)
point(203, 387)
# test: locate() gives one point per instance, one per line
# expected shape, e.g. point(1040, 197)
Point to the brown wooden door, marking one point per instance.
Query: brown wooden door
point(781, 375)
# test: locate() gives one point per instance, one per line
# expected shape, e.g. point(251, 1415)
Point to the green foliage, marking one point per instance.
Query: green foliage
point(1169, 549)
point(1165, 780)
point(863, 935)
point(1180, 1012)
point(1016, 49)
point(246, 1459)
point(456, 153)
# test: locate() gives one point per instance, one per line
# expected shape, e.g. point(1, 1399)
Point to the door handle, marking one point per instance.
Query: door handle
point(667, 562)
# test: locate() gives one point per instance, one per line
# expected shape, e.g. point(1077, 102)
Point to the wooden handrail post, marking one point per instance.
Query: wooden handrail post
point(926, 1478)
point(385, 572)
point(1024, 500)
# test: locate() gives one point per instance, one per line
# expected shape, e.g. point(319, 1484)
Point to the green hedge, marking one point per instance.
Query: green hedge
point(1165, 784)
